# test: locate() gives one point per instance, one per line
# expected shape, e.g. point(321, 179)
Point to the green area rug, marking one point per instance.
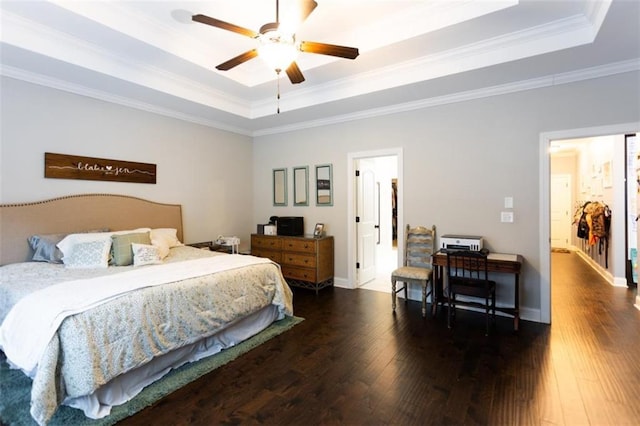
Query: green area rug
point(15, 387)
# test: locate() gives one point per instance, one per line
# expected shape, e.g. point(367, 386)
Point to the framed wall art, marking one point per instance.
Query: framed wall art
point(279, 187)
point(65, 166)
point(301, 186)
point(324, 185)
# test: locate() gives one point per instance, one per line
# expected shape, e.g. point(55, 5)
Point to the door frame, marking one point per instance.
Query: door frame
point(351, 205)
point(545, 199)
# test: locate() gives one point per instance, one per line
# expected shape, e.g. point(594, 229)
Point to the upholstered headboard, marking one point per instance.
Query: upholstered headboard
point(77, 213)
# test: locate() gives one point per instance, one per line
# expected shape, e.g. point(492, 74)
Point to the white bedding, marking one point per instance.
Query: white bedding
point(29, 326)
point(135, 330)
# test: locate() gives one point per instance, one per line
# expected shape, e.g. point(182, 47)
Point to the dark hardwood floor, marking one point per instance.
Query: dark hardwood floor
point(353, 362)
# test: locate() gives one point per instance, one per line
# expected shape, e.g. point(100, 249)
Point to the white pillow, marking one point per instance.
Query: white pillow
point(164, 239)
point(144, 254)
point(89, 254)
point(67, 244)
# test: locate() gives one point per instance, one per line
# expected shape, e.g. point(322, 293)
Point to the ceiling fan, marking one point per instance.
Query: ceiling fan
point(278, 46)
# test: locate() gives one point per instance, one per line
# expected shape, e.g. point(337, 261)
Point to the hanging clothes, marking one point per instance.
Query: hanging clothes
point(593, 220)
point(580, 219)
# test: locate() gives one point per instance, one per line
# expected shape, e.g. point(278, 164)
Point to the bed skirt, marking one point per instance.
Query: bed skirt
point(126, 386)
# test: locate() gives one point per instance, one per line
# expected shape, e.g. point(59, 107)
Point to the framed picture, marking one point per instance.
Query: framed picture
point(279, 187)
point(301, 186)
point(324, 186)
point(319, 230)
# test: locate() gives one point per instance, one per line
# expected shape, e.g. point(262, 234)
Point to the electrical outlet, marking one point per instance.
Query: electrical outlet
point(506, 217)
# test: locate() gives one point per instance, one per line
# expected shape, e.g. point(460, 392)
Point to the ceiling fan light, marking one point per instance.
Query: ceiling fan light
point(277, 50)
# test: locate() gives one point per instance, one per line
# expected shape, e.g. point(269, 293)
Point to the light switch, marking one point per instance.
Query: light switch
point(506, 217)
point(508, 202)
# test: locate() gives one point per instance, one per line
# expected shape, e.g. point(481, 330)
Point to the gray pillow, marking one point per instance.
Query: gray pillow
point(121, 251)
point(44, 247)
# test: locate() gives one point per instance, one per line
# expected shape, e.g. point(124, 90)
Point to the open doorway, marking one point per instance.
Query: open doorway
point(375, 213)
point(584, 185)
point(587, 188)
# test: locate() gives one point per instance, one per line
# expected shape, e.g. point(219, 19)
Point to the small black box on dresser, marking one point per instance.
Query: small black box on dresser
point(292, 226)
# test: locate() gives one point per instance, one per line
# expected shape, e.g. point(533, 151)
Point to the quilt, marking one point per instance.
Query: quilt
point(91, 347)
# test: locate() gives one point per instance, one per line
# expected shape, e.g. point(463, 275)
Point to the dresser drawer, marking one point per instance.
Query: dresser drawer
point(262, 242)
point(299, 273)
point(276, 256)
point(297, 259)
point(305, 261)
point(301, 245)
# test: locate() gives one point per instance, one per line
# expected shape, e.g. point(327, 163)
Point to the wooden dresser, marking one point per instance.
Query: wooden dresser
point(305, 261)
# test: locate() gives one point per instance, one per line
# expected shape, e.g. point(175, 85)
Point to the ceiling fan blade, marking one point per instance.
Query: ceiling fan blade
point(329, 49)
point(306, 7)
point(294, 73)
point(244, 57)
point(204, 19)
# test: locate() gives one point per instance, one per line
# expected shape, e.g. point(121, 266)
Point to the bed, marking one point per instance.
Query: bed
point(93, 335)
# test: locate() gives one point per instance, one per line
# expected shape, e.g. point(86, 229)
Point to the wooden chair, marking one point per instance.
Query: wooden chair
point(467, 276)
point(419, 247)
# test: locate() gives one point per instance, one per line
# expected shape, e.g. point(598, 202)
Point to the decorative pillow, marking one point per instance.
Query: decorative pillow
point(89, 254)
point(164, 239)
point(122, 254)
point(67, 244)
point(44, 247)
point(145, 254)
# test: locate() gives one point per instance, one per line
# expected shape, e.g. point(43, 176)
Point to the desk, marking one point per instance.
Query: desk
point(496, 262)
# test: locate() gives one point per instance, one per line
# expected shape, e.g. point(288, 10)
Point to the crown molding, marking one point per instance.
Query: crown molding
point(43, 40)
point(561, 34)
point(537, 83)
point(547, 81)
point(65, 86)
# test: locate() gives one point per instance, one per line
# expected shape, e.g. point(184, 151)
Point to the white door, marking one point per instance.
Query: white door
point(561, 214)
point(366, 232)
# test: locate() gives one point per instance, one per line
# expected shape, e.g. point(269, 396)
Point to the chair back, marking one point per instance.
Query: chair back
point(465, 266)
point(419, 246)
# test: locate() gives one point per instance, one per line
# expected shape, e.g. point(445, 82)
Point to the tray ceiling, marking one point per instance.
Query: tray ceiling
point(150, 55)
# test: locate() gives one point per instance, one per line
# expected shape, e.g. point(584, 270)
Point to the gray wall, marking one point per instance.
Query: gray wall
point(206, 170)
point(460, 161)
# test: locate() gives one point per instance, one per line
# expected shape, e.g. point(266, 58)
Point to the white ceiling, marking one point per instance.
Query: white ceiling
point(150, 55)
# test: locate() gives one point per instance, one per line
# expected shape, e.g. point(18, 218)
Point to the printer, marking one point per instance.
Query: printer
point(461, 242)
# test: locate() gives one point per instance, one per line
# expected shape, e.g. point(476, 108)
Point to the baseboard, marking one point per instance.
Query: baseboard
point(614, 281)
point(341, 282)
point(527, 314)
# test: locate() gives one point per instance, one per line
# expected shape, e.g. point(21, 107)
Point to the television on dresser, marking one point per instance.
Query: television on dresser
point(290, 225)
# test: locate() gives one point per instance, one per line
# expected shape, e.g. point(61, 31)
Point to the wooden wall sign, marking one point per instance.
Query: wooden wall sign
point(62, 166)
